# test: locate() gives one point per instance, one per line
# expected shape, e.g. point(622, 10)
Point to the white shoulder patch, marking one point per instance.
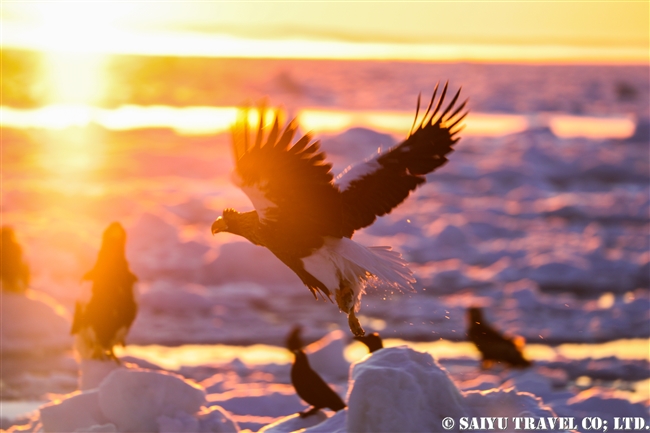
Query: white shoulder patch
point(357, 171)
point(256, 195)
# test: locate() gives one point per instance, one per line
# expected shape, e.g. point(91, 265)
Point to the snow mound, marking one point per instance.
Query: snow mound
point(234, 265)
point(155, 250)
point(153, 393)
point(506, 403)
point(399, 389)
point(334, 424)
point(79, 410)
point(33, 322)
point(134, 400)
point(93, 371)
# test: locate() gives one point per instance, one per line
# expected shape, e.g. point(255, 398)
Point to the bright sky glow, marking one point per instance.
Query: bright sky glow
point(484, 31)
point(76, 37)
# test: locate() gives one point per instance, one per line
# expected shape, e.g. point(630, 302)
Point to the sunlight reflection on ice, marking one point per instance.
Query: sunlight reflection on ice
point(211, 120)
point(591, 127)
point(197, 354)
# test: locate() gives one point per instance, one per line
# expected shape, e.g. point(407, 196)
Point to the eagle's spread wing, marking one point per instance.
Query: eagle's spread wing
point(290, 186)
point(375, 187)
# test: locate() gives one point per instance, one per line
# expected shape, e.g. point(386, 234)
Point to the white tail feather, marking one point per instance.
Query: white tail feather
point(360, 266)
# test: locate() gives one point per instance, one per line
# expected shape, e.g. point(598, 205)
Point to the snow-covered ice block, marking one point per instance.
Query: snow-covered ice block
point(130, 400)
point(505, 403)
point(294, 422)
point(134, 399)
point(399, 389)
point(92, 372)
point(531, 382)
point(334, 424)
point(276, 401)
point(178, 299)
point(214, 420)
point(33, 322)
point(79, 410)
point(602, 402)
point(234, 264)
point(483, 382)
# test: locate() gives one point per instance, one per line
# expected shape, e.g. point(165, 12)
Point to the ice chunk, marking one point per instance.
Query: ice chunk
point(399, 389)
point(33, 321)
point(134, 399)
point(79, 410)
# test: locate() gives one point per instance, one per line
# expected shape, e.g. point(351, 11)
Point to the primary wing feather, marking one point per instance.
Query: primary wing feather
point(290, 186)
point(377, 186)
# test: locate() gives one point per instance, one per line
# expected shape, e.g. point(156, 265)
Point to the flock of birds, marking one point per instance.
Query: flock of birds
point(306, 217)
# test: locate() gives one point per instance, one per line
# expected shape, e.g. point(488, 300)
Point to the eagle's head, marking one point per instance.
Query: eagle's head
point(113, 241)
point(227, 222)
point(242, 224)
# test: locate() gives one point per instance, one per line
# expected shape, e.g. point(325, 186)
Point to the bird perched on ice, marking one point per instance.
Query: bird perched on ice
point(373, 341)
point(311, 387)
point(493, 346)
point(306, 217)
point(14, 272)
point(308, 384)
point(106, 318)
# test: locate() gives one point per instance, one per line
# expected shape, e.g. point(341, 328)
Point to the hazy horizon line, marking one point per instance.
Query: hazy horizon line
point(192, 44)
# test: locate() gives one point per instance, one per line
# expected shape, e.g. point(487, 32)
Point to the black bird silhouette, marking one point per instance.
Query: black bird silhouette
point(294, 339)
point(307, 218)
point(106, 319)
point(14, 272)
point(311, 387)
point(373, 341)
point(493, 346)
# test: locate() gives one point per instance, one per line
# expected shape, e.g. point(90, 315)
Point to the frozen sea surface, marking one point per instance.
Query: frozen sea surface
point(549, 233)
point(380, 391)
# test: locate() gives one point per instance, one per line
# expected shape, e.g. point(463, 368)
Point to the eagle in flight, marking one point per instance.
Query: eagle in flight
point(306, 216)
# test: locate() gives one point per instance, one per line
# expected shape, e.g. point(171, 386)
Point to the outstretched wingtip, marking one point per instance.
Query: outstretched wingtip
point(417, 111)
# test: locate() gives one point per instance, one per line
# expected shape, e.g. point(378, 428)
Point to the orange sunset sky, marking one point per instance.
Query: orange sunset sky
point(540, 31)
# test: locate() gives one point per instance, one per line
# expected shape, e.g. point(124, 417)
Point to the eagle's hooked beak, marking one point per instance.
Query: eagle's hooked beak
point(219, 225)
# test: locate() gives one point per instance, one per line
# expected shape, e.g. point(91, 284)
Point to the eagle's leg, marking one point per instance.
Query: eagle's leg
point(355, 326)
point(345, 300)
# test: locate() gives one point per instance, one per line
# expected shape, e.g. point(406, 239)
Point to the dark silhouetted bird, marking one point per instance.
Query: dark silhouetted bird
point(106, 319)
point(373, 341)
point(294, 339)
point(493, 346)
point(311, 387)
point(307, 218)
point(14, 271)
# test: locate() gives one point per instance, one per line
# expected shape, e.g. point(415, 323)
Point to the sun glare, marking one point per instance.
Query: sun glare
point(298, 30)
point(69, 34)
point(74, 77)
point(70, 154)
